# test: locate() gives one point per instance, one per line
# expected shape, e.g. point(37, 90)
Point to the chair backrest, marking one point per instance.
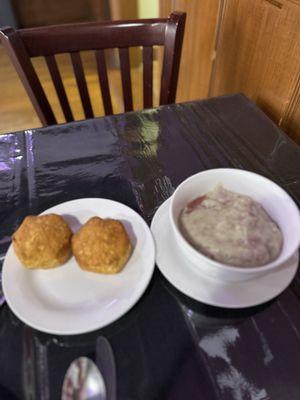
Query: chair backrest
point(23, 44)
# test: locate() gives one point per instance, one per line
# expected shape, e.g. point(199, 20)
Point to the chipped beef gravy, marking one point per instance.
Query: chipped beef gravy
point(231, 228)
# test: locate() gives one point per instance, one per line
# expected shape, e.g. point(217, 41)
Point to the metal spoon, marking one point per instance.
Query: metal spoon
point(83, 381)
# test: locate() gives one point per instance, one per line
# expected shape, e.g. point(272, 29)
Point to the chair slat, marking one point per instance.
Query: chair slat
point(82, 86)
point(148, 76)
point(126, 79)
point(103, 80)
point(59, 87)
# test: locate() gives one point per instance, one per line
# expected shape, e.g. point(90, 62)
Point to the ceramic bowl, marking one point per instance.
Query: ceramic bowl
point(278, 204)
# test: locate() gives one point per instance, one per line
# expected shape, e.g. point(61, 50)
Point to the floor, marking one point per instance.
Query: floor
point(17, 113)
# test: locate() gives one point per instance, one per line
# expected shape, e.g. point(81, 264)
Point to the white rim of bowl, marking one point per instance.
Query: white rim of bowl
point(228, 267)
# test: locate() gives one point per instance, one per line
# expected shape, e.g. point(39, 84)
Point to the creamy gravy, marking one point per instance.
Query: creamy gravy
point(231, 228)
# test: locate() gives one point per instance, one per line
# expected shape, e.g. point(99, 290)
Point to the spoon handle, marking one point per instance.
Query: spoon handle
point(2, 298)
point(106, 363)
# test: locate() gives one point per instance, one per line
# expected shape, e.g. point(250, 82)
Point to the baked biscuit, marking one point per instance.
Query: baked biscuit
point(43, 241)
point(102, 245)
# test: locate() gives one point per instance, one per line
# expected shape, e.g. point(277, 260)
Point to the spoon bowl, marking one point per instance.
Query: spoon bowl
point(83, 381)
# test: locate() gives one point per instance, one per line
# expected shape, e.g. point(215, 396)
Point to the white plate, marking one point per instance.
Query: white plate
point(67, 300)
point(187, 278)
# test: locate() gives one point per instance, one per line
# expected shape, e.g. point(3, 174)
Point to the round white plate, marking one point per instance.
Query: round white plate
point(67, 300)
point(187, 279)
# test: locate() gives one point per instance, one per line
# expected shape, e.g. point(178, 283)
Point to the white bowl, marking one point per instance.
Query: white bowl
point(272, 197)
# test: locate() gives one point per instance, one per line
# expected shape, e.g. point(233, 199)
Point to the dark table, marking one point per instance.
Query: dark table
point(162, 345)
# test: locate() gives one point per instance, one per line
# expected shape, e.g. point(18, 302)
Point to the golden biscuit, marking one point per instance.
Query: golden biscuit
point(102, 245)
point(43, 241)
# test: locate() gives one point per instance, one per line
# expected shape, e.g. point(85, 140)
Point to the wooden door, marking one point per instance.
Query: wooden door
point(258, 53)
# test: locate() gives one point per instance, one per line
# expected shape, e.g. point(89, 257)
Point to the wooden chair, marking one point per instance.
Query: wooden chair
point(23, 44)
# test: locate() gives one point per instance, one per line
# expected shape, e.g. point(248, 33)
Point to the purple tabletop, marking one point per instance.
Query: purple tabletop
point(167, 346)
